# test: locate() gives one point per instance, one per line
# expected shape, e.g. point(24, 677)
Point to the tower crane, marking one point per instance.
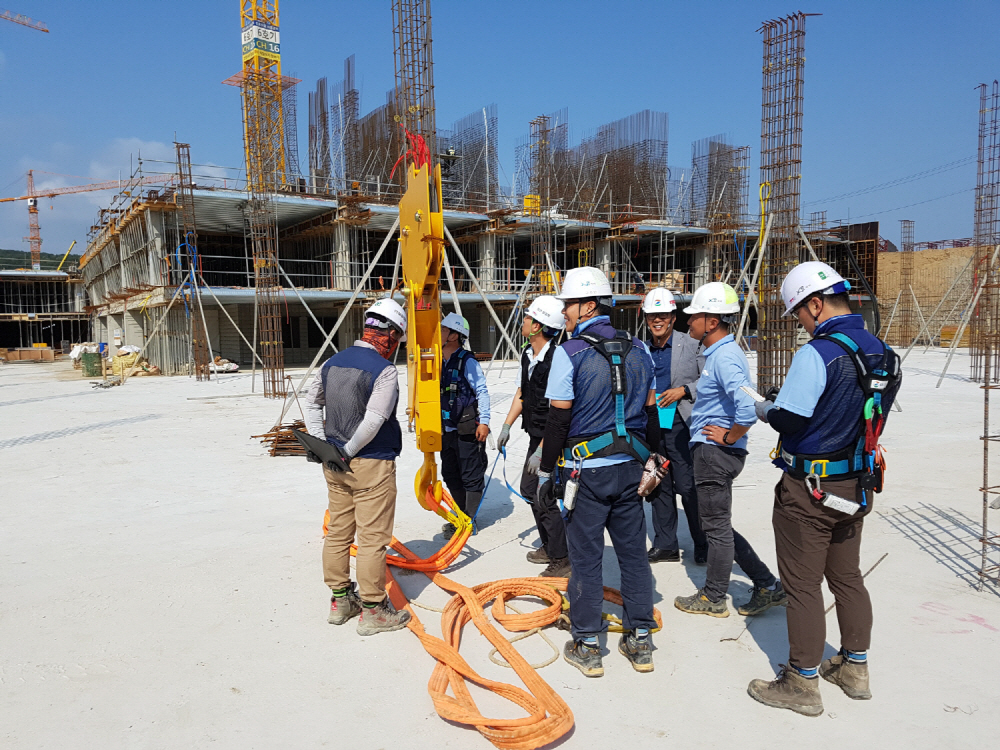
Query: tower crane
point(23, 20)
point(34, 233)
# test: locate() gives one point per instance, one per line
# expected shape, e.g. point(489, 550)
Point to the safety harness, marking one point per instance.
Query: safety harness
point(864, 458)
point(618, 440)
point(456, 375)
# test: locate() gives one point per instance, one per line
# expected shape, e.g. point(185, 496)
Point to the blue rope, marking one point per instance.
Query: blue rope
point(502, 452)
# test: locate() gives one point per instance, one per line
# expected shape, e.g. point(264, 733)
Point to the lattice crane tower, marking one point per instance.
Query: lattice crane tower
point(264, 140)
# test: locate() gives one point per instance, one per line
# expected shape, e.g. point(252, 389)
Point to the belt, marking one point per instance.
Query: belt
point(588, 448)
point(821, 467)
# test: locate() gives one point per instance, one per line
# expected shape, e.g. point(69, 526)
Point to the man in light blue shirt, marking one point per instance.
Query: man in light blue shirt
point(721, 417)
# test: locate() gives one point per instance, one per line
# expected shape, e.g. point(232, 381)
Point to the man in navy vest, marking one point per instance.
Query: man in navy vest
point(603, 435)
point(352, 405)
point(542, 323)
point(465, 416)
point(819, 413)
point(678, 366)
point(720, 420)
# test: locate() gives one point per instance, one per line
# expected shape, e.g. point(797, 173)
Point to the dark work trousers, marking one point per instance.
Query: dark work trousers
point(715, 468)
point(608, 498)
point(679, 481)
point(463, 466)
point(551, 529)
point(814, 542)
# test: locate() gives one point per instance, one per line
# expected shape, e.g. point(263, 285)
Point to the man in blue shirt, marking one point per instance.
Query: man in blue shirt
point(603, 437)
point(827, 448)
point(721, 417)
point(678, 364)
point(465, 415)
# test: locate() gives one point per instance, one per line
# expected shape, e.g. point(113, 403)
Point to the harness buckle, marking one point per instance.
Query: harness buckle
point(576, 451)
point(822, 463)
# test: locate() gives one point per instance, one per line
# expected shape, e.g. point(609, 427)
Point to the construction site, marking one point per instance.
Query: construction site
point(181, 600)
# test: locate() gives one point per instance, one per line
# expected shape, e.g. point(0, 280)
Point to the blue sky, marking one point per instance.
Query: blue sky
point(889, 88)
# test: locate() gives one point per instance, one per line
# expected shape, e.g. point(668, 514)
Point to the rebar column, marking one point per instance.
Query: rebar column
point(780, 177)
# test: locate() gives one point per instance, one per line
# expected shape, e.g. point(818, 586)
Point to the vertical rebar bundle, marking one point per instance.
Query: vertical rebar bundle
point(986, 315)
point(469, 163)
point(320, 158)
point(289, 108)
point(780, 177)
point(906, 314)
point(538, 205)
point(345, 101)
point(414, 71)
point(200, 353)
point(720, 185)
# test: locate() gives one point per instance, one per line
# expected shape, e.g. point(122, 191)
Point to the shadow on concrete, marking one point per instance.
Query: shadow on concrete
point(946, 534)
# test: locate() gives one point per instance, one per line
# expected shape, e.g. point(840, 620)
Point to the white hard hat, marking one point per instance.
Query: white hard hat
point(808, 278)
point(389, 311)
point(586, 282)
point(457, 323)
point(659, 300)
point(548, 311)
point(714, 298)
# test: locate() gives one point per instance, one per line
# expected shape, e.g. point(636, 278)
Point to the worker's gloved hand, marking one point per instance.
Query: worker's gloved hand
point(504, 437)
point(313, 458)
point(762, 408)
point(546, 493)
point(772, 393)
point(534, 462)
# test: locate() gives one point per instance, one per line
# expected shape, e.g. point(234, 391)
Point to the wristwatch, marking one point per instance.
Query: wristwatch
point(725, 439)
point(687, 393)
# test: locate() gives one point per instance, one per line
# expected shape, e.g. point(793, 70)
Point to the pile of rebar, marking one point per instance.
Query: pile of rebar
point(281, 442)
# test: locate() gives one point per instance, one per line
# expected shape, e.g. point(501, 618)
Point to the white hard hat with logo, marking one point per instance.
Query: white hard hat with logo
point(457, 323)
point(548, 311)
point(715, 298)
point(806, 279)
point(584, 283)
point(659, 300)
point(388, 311)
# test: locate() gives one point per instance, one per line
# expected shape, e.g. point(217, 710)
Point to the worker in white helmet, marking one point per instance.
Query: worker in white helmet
point(351, 404)
point(543, 322)
point(602, 424)
point(722, 415)
point(678, 365)
point(829, 414)
point(465, 416)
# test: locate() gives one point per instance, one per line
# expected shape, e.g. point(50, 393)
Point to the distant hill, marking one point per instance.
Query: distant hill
point(22, 259)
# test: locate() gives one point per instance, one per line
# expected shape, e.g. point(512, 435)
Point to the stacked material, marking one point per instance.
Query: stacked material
point(281, 442)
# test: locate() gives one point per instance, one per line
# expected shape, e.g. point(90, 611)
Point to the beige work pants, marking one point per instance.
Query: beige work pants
point(362, 504)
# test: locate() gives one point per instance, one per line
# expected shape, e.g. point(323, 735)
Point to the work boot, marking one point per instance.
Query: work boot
point(663, 555)
point(789, 690)
point(343, 608)
point(382, 618)
point(449, 530)
point(557, 568)
point(851, 676)
point(584, 657)
point(699, 604)
point(539, 556)
point(639, 651)
point(763, 599)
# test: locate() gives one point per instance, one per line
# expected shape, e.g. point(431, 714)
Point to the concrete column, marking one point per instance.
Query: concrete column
point(154, 223)
point(342, 276)
point(487, 262)
point(702, 266)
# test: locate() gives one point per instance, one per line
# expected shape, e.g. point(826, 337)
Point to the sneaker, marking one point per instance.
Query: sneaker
point(539, 556)
point(789, 690)
point(763, 599)
point(699, 604)
point(557, 568)
point(639, 651)
point(584, 657)
point(850, 676)
point(343, 608)
point(382, 618)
